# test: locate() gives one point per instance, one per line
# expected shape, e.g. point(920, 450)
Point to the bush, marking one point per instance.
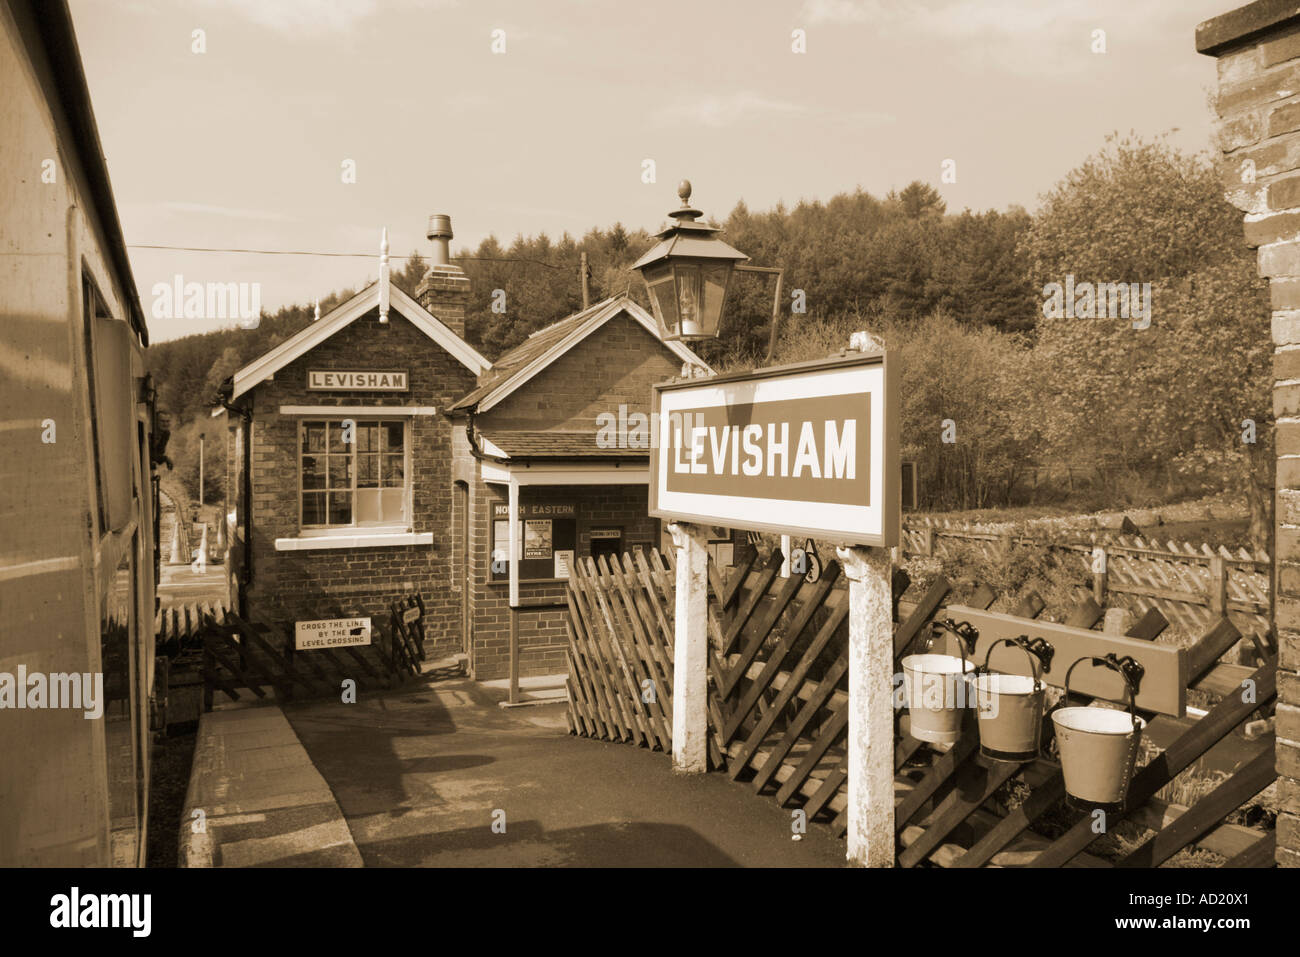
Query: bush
point(961, 382)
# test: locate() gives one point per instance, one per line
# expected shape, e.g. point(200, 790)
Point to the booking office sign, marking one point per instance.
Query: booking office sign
point(807, 449)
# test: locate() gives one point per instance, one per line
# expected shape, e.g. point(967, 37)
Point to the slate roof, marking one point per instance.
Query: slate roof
point(557, 445)
point(544, 346)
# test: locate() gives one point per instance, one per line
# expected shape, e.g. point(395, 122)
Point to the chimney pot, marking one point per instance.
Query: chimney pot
point(441, 236)
point(444, 290)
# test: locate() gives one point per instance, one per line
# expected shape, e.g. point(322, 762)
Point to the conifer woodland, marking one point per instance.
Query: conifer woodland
point(1038, 405)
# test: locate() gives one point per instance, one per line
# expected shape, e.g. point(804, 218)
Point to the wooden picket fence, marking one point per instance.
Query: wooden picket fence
point(179, 625)
point(778, 714)
point(620, 649)
point(1191, 585)
point(246, 656)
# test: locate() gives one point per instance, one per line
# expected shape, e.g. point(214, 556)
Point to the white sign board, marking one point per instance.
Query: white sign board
point(809, 449)
point(331, 633)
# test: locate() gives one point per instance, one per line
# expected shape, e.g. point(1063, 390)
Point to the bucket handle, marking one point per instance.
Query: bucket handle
point(1033, 653)
point(1128, 668)
point(963, 631)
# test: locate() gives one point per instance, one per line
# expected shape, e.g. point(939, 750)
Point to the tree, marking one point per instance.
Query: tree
point(408, 277)
point(956, 376)
point(1170, 399)
point(918, 200)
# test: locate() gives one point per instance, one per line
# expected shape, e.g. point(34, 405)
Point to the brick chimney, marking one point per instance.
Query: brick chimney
point(1258, 131)
point(444, 290)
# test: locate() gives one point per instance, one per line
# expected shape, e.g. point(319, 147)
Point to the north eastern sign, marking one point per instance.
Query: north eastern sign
point(809, 449)
point(352, 380)
point(331, 633)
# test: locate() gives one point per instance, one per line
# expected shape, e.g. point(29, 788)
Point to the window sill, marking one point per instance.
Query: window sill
point(353, 540)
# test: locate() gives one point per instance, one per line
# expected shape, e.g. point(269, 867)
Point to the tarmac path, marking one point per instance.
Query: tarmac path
point(422, 773)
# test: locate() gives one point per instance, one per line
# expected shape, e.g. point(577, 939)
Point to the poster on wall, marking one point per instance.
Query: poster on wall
point(563, 562)
point(537, 538)
point(500, 539)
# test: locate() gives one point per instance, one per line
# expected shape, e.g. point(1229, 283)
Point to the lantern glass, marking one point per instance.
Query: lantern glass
point(716, 277)
point(690, 304)
point(663, 299)
point(688, 297)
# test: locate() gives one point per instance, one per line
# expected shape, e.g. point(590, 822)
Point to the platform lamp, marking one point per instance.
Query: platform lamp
point(688, 273)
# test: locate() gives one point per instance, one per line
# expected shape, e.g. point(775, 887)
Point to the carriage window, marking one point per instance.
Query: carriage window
point(117, 635)
point(111, 389)
point(353, 473)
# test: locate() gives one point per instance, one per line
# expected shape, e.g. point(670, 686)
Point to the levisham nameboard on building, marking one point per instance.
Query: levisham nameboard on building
point(356, 380)
point(808, 449)
point(331, 633)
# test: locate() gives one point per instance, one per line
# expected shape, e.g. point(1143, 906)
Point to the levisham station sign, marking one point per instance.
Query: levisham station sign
point(808, 449)
point(355, 380)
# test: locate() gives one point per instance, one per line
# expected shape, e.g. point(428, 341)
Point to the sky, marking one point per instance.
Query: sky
point(244, 144)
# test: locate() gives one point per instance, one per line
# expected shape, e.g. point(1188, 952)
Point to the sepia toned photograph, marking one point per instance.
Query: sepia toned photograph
point(492, 436)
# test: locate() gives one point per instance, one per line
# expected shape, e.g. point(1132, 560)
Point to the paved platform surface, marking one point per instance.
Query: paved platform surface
point(263, 801)
point(180, 585)
point(422, 774)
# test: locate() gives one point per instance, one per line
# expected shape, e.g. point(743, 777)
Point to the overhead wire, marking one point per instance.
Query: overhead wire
point(370, 255)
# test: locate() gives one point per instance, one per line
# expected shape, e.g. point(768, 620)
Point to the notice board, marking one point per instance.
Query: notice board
point(548, 535)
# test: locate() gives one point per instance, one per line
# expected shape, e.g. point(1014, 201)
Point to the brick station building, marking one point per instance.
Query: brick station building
point(1257, 48)
point(444, 446)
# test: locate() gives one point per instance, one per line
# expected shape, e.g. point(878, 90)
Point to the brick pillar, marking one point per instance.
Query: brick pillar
point(444, 292)
point(1258, 52)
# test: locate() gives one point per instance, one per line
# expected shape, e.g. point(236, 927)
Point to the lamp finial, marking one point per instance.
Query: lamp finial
point(685, 213)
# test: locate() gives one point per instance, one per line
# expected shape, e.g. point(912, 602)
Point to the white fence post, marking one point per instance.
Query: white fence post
point(871, 709)
point(691, 650)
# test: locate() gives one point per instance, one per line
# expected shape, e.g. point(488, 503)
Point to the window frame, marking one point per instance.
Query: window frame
point(354, 527)
point(94, 308)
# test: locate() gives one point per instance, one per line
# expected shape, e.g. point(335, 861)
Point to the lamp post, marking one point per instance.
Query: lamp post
point(687, 275)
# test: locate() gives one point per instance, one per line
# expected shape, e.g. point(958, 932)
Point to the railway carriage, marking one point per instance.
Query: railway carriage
point(78, 554)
